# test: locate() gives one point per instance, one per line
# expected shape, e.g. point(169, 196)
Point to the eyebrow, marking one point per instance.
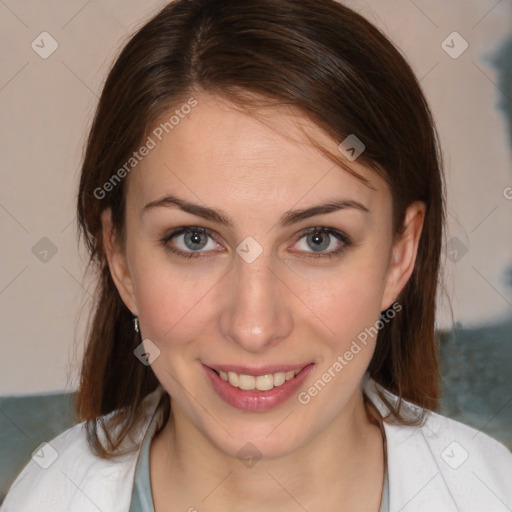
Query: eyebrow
point(287, 219)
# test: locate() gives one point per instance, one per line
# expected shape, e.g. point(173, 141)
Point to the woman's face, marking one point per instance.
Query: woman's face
point(254, 278)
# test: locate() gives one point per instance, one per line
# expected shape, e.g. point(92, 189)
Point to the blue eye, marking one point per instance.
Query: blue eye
point(320, 239)
point(193, 242)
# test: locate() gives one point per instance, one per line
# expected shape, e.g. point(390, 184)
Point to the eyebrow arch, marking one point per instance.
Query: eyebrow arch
point(287, 219)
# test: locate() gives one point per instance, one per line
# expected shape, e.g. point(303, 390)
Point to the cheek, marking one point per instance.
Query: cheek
point(172, 302)
point(348, 300)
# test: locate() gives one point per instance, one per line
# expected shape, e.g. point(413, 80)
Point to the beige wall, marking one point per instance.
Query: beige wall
point(46, 106)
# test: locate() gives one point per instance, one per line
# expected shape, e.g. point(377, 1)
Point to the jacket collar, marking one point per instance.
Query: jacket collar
point(416, 482)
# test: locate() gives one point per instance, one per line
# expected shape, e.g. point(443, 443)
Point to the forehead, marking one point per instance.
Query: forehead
point(219, 152)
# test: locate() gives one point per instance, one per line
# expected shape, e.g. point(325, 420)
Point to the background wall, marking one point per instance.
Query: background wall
point(46, 104)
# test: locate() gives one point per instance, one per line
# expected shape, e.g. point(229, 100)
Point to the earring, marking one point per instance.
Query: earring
point(136, 324)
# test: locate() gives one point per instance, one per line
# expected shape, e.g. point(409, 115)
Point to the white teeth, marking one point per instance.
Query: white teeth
point(264, 382)
point(279, 378)
point(233, 379)
point(261, 382)
point(246, 382)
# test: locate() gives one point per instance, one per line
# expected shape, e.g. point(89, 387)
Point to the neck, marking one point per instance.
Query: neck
point(340, 469)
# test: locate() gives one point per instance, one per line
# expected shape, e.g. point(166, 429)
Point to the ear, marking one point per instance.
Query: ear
point(117, 262)
point(404, 253)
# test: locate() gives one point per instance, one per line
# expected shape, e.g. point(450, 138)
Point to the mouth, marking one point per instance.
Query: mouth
point(261, 382)
point(257, 389)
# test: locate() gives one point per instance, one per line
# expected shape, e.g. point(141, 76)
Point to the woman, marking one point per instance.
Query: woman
point(262, 196)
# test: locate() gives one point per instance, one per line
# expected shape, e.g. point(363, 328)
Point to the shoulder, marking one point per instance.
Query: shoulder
point(62, 472)
point(65, 474)
point(442, 461)
point(462, 437)
point(473, 468)
point(459, 444)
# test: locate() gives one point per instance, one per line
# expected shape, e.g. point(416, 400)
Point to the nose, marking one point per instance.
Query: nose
point(256, 314)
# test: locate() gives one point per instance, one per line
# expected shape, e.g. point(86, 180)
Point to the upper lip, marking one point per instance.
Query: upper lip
point(257, 370)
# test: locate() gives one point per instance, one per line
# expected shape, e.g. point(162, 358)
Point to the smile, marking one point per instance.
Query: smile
point(257, 389)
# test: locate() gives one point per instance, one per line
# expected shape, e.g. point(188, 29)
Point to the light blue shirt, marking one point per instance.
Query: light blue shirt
point(142, 498)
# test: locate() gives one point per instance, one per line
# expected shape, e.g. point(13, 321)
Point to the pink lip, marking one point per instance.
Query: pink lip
point(257, 400)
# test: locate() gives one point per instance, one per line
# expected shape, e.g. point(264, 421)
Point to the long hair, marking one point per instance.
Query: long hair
point(342, 73)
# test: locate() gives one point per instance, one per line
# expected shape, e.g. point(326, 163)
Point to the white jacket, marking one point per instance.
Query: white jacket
point(443, 466)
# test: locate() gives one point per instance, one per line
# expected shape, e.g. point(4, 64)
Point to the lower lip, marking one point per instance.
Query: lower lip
point(257, 400)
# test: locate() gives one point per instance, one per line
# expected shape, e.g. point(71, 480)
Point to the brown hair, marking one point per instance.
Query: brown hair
point(342, 73)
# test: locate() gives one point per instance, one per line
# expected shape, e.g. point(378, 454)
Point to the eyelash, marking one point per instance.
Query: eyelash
point(342, 237)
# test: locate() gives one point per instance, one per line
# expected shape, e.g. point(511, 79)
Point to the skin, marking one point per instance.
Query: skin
point(285, 307)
